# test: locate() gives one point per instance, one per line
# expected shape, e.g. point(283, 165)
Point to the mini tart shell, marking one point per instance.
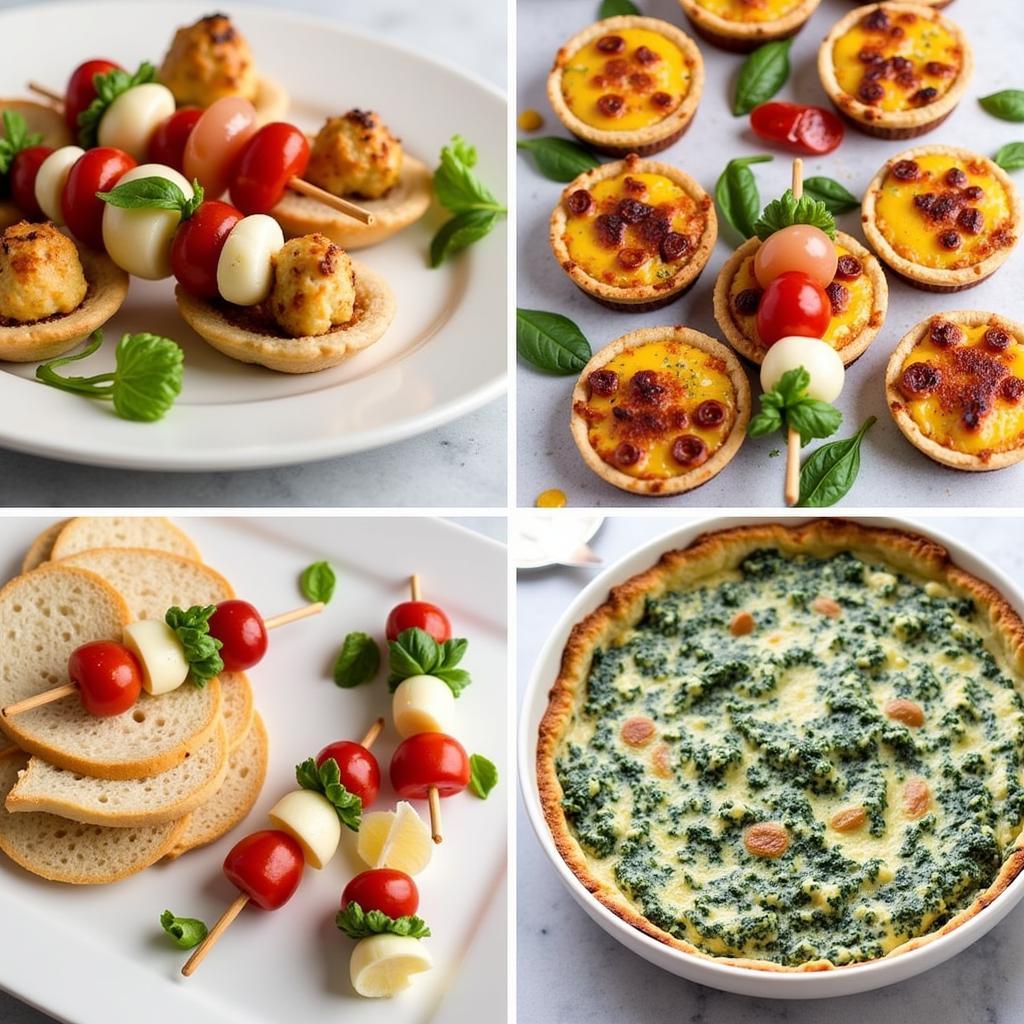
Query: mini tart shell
point(688, 479)
point(937, 279)
point(749, 349)
point(638, 298)
point(741, 36)
point(907, 424)
point(893, 124)
point(375, 308)
point(46, 339)
point(404, 204)
point(642, 141)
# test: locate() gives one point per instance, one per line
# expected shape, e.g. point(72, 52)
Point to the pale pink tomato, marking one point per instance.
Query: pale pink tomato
point(216, 141)
point(799, 247)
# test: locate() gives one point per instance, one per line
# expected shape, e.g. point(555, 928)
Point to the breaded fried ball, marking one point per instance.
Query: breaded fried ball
point(207, 61)
point(314, 286)
point(40, 273)
point(355, 155)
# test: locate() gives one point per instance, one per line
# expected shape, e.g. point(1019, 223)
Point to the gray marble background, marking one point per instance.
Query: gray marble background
point(458, 465)
point(557, 941)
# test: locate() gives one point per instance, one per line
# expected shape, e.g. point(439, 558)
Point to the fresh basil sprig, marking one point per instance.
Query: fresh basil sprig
point(483, 775)
point(108, 87)
point(417, 653)
point(154, 194)
point(827, 476)
point(202, 651)
point(317, 582)
point(358, 660)
point(551, 342)
point(326, 780)
point(144, 384)
point(559, 159)
point(835, 198)
point(611, 8)
point(1011, 156)
point(763, 74)
point(1007, 105)
point(16, 137)
point(357, 923)
point(788, 405)
point(736, 194)
point(788, 210)
point(185, 932)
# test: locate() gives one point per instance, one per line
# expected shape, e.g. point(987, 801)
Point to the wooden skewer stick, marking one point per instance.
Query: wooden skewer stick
point(42, 90)
point(372, 733)
point(237, 906)
point(294, 615)
point(792, 490)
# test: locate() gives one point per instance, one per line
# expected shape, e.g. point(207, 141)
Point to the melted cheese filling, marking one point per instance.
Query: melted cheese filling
point(749, 11)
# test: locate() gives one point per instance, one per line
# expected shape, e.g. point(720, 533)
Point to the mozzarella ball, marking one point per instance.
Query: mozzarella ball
point(51, 178)
point(156, 645)
point(423, 704)
point(356, 155)
point(312, 821)
point(245, 270)
point(139, 241)
point(817, 357)
point(130, 121)
point(314, 286)
point(208, 61)
point(40, 273)
point(383, 965)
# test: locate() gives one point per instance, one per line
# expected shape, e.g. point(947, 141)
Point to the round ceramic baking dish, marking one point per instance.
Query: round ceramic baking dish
point(765, 984)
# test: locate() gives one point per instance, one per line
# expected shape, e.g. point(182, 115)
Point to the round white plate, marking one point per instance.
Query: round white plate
point(443, 356)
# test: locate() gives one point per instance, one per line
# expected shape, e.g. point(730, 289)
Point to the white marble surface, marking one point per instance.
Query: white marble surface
point(547, 455)
point(460, 464)
point(556, 940)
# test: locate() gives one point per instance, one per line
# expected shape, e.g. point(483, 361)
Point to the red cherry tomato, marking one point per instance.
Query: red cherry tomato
point(800, 128)
point(357, 767)
point(81, 92)
point(240, 629)
point(98, 170)
point(194, 255)
point(108, 677)
point(274, 155)
point(167, 146)
point(23, 180)
point(391, 892)
point(793, 304)
point(267, 865)
point(418, 615)
point(429, 759)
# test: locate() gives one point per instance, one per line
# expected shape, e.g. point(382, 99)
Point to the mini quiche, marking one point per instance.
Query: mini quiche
point(790, 748)
point(955, 387)
point(859, 296)
point(895, 70)
point(627, 85)
point(943, 218)
point(634, 234)
point(661, 410)
point(743, 25)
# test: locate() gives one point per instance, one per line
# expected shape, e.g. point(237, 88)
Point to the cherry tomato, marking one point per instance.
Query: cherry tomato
point(418, 615)
point(195, 252)
point(98, 170)
point(81, 92)
point(236, 624)
point(277, 153)
point(391, 892)
point(267, 865)
point(23, 180)
point(426, 760)
point(357, 767)
point(167, 146)
point(793, 304)
point(108, 677)
point(215, 142)
point(800, 247)
point(800, 128)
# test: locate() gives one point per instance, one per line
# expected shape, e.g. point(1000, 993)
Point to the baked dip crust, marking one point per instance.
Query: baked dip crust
point(650, 138)
point(743, 36)
point(899, 563)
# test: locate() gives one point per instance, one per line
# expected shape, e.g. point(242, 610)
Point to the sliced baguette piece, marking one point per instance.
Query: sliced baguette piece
point(68, 851)
point(247, 771)
point(156, 532)
point(236, 706)
point(124, 803)
point(40, 549)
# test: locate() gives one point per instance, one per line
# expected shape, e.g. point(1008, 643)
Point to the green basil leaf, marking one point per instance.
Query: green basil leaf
point(559, 159)
point(1007, 105)
point(359, 924)
point(763, 74)
point(16, 137)
point(827, 476)
point(788, 210)
point(551, 342)
point(108, 87)
point(457, 679)
point(453, 651)
point(1011, 156)
point(186, 932)
point(612, 8)
point(833, 196)
point(147, 378)
point(192, 627)
point(812, 418)
point(483, 776)
point(767, 421)
point(792, 386)
point(325, 779)
point(460, 232)
point(456, 186)
point(317, 582)
point(414, 653)
point(736, 194)
point(358, 661)
point(146, 194)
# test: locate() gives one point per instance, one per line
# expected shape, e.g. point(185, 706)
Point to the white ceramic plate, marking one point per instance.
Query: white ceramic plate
point(443, 356)
point(840, 982)
point(96, 955)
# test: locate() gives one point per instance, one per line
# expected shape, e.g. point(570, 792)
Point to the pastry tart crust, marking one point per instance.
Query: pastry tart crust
point(744, 36)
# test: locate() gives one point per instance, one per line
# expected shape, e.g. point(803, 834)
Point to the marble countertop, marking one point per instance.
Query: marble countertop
point(556, 940)
point(460, 464)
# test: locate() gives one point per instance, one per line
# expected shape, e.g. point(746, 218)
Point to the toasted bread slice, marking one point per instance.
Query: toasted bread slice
point(40, 549)
point(236, 706)
point(247, 771)
point(87, 532)
point(68, 851)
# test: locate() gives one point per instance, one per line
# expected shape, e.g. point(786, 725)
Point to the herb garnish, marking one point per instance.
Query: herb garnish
point(1007, 105)
point(736, 194)
point(317, 582)
point(202, 650)
point(417, 653)
point(788, 210)
point(559, 159)
point(763, 74)
point(611, 8)
point(483, 775)
point(358, 660)
point(1011, 156)
point(326, 780)
point(827, 476)
point(185, 932)
point(108, 87)
point(154, 194)
point(359, 924)
point(788, 405)
point(16, 137)
point(836, 198)
point(551, 342)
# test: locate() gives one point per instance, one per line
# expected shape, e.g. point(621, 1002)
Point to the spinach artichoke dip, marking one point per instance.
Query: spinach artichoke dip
point(791, 748)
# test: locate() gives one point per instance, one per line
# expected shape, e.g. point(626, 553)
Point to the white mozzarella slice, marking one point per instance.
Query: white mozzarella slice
point(383, 965)
point(130, 121)
point(423, 704)
point(156, 645)
point(821, 361)
point(51, 178)
point(245, 273)
point(312, 821)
